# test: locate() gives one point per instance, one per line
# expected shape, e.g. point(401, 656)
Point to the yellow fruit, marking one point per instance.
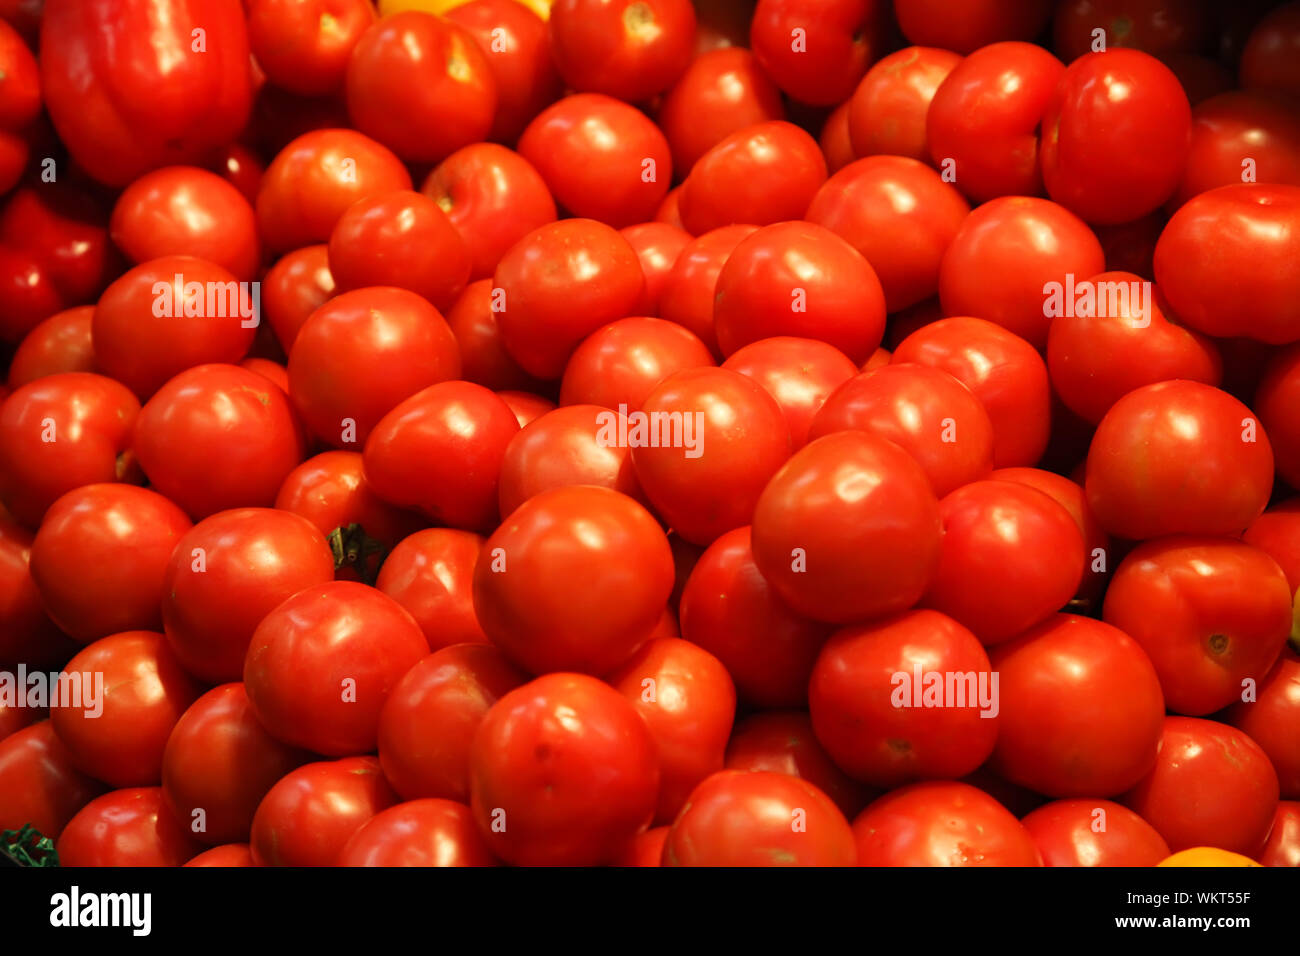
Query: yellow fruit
point(540, 7)
point(1207, 856)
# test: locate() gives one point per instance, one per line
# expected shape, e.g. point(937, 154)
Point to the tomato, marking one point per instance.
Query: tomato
point(99, 558)
point(401, 239)
point(1231, 128)
point(765, 173)
point(320, 666)
point(721, 91)
point(941, 824)
point(59, 433)
point(526, 406)
point(20, 93)
point(308, 816)
point(834, 139)
point(303, 47)
point(431, 574)
point(1276, 402)
point(982, 125)
point(185, 211)
point(688, 701)
point(619, 365)
point(429, 720)
point(493, 196)
point(1211, 786)
point(1026, 243)
point(1095, 360)
point(131, 87)
point(1271, 719)
point(168, 315)
point(563, 447)
point(219, 763)
point(273, 372)
point(757, 818)
point(1158, 27)
point(440, 451)
point(131, 827)
point(419, 833)
point(571, 534)
point(1283, 847)
point(331, 491)
point(601, 158)
point(43, 786)
point(705, 477)
point(230, 855)
point(800, 374)
point(970, 25)
point(227, 573)
point(559, 284)
point(516, 39)
point(645, 849)
point(631, 49)
point(1093, 833)
point(26, 632)
point(823, 62)
point(657, 245)
point(688, 293)
point(888, 109)
point(848, 530)
point(1178, 458)
point(1005, 374)
point(240, 166)
point(60, 343)
point(563, 772)
point(315, 178)
point(483, 356)
point(1268, 61)
point(1207, 856)
point(925, 411)
point(1277, 532)
point(295, 287)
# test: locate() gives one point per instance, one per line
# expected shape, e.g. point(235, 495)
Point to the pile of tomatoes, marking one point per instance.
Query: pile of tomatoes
point(645, 432)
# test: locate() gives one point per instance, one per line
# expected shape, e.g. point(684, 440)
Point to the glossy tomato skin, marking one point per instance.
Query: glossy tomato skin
point(689, 291)
point(304, 47)
point(26, 632)
point(308, 816)
point(800, 374)
point(1283, 847)
point(331, 491)
point(688, 701)
point(219, 759)
point(941, 824)
point(570, 534)
point(100, 556)
point(839, 41)
point(131, 827)
point(1233, 126)
point(61, 343)
point(526, 406)
point(43, 786)
point(230, 855)
point(361, 354)
point(293, 288)
point(657, 245)
point(227, 573)
point(969, 26)
point(429, 720)
point(758, 818)
point(645, 849)
point(1211, 786)
point(620, 364)
point(90, 419)
point(320, 666)
point(848, 530)
point(707, 480)
point(129, 87)
point(1211, 613)
point(569, 767)
point(1093, 833)
point(477, 328)
point(431, 574)
point(630, 49)
point(22, 103)
point(1275, 532)
point(1268, 58)
point(888, 109)
point(1207, 470)
point(418, 833)
point(1272, 718)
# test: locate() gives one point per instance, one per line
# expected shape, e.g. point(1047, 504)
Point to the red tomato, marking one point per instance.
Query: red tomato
point(1156, 26)
point(440, 451)
point(757, 818)
point(1283, 847)
point(657, 245)
point(1178, 458)
point(42, 787)
point(563, 772)
point(1272, 720)
point(578, 533)
point(1277, 401)
point(619, 365)
point(483, 356)
point(331, 491)
point(688, 293)
point(273, 372)
point(295, 287)
point(631, 49)
point(765, 173)
point(132, 85)
point(308, 816)
point(26, 632)
point(303, 45)
point(888, 109)
point(972, 24)
point(689, 703)
point(907, 698)
point(817, 54)
point(320, 666)
point(1268, 61)
point(230, 855)
point(219, 763)
point(61, 343)
point(20, 103)
point(429, 719)
point(1211, 786)
point(526, 406)
point(1231, 128)
point(834, 139)
point(1277, 531)
point(645, 849)
point(100, 557)
point(1093, 833)
point(1081, 709)
point(925, 411)
point(601, 158)
point(227, 573)
point(800, 374)
point(704, 477)
point(419, 833)
point(431, 574)
point(130, 827)
point(493, 196)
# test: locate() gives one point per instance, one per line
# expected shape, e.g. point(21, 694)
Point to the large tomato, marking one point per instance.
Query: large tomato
point(1093, 833)
point(1232, 128)
point(418, 833)
point(631, 49)
point(620, 364)
point(43, 786)
point(431, 574)
point(61, 343)
point(888, 109)
point(132, 827)
point(817, 53)
point(1272, 719)
point(303, 47)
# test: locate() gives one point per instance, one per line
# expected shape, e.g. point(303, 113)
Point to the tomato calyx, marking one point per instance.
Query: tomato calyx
point(354, 549)
point(27, 846)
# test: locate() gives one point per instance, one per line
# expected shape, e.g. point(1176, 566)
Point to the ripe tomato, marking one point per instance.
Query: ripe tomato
point(43, 786)
point(1283, 847)
point(419, 833)
point(800, 374)
point(1157, 26)
point(834, 139)
point(644, 849)
point(295, 287)
point(20, 90)
point(230, 855)
point(1232, 127)
point(573, 534)
point(1093, 833)
point(1268, 61)
point(620, 364)
point(688, 293)
point(526, 406)
point(26, 632)
point(757, 818)
point(303, 47)
point(970, 25)
point(888, 109)
point(563, 772)
point(1272, 720)
point(131, 827)
point(331, 491)
point(1276, 402)
point(631, 49)
point(431, 574)
point(657, 245)
point(60, 343)
point(483, 356)
point(818, 54)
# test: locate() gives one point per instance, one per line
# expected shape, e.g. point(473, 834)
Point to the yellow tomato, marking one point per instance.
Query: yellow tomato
point(540, 7)
point(1207, 856)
